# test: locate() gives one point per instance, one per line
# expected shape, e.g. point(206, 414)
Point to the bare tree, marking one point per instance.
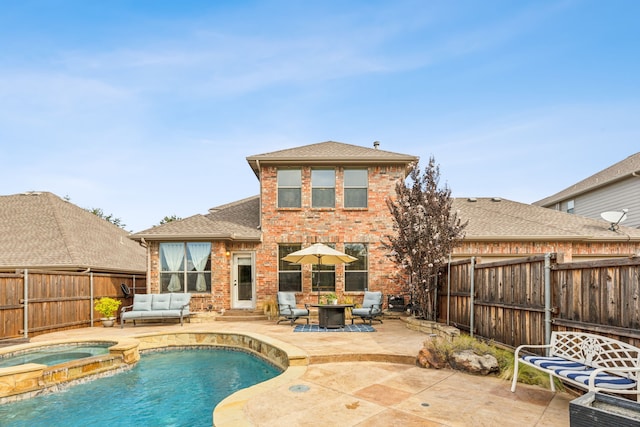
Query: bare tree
point(426, 231)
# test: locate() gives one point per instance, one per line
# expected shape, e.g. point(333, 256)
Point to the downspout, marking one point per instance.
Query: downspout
point(259, 197)
point(547, 299)
point(473, 291)
point(25, 298)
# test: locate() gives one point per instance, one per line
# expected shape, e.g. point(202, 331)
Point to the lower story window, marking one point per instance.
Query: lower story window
point(356, 273)
point(289, 274)
point(185, 267)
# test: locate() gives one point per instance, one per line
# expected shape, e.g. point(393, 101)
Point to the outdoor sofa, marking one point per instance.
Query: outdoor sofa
point(157, 307)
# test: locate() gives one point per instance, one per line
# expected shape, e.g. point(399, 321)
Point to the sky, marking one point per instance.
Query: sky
point(149, 108)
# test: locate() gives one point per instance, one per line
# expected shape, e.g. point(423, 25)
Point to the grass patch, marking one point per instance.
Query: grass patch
point(526, 375)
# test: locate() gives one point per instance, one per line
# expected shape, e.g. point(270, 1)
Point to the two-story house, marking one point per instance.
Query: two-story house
point(336, 194)
point(328, 192)
point(615, 188)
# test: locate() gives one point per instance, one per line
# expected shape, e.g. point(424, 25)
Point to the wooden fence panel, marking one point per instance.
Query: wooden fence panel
point(11, 310)
point(57, 300)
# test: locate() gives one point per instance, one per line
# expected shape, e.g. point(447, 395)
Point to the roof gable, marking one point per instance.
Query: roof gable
point(40, 230)
point(621, 170)
point(329, 153)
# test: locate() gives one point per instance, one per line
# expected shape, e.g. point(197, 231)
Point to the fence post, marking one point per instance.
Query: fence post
point(448, 288)
point(25, 321)
point(473, 285)
point(547, 299)
point(91, 296)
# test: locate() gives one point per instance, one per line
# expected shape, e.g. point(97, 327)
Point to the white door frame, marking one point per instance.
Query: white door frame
point(238, 300)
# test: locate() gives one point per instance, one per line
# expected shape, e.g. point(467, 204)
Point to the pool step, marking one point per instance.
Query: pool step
point(237, 315)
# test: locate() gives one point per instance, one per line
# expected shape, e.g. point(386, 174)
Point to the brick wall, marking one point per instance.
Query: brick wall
point(337, 225)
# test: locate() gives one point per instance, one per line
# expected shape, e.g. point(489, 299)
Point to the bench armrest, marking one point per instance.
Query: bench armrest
point(615, 371)
point(524, 346)
point(123, 309)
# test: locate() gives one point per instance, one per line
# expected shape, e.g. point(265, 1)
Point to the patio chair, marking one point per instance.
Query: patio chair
point(287, 308)
point(371, 308)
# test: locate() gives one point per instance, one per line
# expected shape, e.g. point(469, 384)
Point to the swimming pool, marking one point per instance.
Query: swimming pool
point(176, 387)
point(55, 354)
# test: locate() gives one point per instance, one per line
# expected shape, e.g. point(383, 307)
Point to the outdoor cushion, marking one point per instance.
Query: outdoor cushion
point(178, 300)
point(554, 363)
point(160, 302)
point(286, 300)
point(603, 379)
point(142, 302)
point(288, 310)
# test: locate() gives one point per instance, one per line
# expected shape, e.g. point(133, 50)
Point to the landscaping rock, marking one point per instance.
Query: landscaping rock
point(473, 363)
point(428, 359)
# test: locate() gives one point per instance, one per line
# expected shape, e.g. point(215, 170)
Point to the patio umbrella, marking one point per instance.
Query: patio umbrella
point(319, 254)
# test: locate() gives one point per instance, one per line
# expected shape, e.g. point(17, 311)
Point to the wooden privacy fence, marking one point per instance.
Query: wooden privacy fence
point(37, 302)
point(521, 301)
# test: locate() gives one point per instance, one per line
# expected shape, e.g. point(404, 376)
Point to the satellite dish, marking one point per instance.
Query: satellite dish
point(614, 217)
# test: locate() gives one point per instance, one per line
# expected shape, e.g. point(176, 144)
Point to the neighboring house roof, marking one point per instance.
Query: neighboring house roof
point(626, 168)
point(39, 230)
point(233, 221)
point(495, 219)
point(329, 153)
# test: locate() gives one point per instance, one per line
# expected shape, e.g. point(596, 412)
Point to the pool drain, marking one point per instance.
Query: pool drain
point(299, 388)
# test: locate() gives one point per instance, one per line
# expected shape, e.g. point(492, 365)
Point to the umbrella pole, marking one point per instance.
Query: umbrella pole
point(318, 280)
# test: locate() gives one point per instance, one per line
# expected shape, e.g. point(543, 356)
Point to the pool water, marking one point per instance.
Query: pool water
point(168, 388)
point(53, 355)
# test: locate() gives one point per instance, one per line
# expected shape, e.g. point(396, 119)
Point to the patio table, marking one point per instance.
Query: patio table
point(331, 316)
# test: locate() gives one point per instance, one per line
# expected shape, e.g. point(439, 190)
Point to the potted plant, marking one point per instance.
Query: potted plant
point(107, 307)
point(331, 298)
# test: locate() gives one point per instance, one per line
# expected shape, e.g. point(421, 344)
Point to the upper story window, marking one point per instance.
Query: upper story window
point(323, 188)
point(289, 274)
point(570, 206)
point(185, 267)
point(356, 273)
point(289, 188)
point(355, 188)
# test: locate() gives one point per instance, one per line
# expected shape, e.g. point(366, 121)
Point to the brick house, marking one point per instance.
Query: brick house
point(328, 192)
point(334, 193)
point(501, 229)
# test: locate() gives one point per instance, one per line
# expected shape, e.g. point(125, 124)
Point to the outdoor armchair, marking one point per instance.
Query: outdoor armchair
point(287, 308)
point(371, 308)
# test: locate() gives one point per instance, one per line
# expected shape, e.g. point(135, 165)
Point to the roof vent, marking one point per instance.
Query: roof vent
point(376, 144)
point(472, 199)
point(496, 199)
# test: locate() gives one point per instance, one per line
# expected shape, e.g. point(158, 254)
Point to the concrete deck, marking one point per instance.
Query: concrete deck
point(364, 379)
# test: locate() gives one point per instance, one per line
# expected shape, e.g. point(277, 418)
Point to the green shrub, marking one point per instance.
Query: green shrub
point(526, 375)
point(106, 306)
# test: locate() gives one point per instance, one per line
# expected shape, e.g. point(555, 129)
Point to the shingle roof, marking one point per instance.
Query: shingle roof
point(330, 153)
point(40, 230)
point(616, 172)
point(233, 221)
point(499, 219)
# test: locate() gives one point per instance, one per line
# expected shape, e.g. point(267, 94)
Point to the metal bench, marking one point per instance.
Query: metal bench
point(588, 361)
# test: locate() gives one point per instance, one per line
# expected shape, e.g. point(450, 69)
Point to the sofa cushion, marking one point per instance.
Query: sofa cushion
point(178, 300)
point(160, 302)
point(142, 302)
